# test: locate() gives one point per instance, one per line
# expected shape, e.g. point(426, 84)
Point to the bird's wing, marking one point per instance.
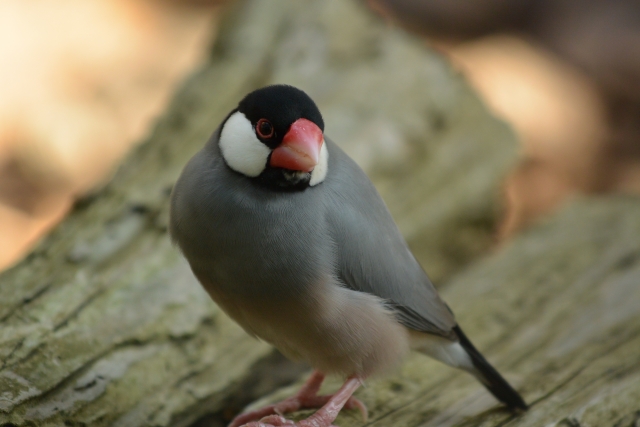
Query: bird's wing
point(373, 257)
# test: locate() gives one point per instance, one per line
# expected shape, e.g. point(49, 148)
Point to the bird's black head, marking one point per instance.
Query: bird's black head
point(275, 136)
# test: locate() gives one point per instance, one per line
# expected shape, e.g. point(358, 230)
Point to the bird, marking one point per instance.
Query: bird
point(291, 239)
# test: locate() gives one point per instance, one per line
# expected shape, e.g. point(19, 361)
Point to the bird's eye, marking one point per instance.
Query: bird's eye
point(264, 128)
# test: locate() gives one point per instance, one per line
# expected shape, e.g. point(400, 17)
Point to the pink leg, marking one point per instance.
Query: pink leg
point(326, 415)
point(306, 398)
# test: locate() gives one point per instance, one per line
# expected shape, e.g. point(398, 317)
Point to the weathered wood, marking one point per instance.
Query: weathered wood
point(557, 311)
point(103, 323)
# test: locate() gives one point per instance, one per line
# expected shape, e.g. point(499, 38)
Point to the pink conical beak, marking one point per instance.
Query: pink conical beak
point(300, 147)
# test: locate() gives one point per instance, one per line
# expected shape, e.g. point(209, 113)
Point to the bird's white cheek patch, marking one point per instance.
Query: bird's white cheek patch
point(320, 171)
point(240, 147)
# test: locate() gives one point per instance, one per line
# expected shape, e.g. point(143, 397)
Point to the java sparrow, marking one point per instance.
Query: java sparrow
point(291, 239)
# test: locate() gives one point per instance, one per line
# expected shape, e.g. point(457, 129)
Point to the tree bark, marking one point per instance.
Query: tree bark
point(557, 311)
point(104, 324)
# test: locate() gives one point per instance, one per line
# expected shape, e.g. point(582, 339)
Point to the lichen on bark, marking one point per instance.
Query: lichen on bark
point(104, 324)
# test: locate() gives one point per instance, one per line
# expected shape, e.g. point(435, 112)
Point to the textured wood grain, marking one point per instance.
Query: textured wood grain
point(557, 312)
point(103, 323)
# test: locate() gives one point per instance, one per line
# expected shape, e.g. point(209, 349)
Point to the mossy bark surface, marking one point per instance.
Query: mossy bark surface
point(104, 324)
point(557, 311)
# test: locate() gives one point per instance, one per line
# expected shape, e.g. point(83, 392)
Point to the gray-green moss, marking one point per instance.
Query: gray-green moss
point(103, 324)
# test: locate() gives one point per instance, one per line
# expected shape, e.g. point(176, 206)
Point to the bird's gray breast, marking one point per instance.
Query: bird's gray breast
point(249, 241)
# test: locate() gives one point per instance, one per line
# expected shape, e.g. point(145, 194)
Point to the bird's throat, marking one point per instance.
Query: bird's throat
point(280, 179)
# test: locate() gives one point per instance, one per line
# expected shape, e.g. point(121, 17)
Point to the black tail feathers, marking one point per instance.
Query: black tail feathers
point(490, 378)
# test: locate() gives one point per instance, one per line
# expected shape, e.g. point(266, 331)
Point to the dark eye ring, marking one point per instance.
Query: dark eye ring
point(264, 128)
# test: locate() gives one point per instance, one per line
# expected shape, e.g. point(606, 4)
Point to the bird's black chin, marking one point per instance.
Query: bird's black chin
point(284, 179)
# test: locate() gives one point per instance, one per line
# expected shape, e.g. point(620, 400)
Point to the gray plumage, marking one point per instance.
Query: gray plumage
point(322, 273)
point(263, 255)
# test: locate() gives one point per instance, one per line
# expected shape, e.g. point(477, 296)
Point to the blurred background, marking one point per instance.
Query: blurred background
point(564, 73)
point(82, 82)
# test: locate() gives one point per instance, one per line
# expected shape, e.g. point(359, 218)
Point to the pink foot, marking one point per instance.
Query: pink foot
point(307, 398)
point(275, 421)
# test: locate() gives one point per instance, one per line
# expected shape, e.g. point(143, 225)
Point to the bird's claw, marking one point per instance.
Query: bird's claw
point(307, 398)
point(288, 406)
point(279, 421)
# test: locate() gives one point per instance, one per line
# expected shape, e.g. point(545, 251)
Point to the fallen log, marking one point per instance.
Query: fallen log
point(103, 324)
point(557, 311)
